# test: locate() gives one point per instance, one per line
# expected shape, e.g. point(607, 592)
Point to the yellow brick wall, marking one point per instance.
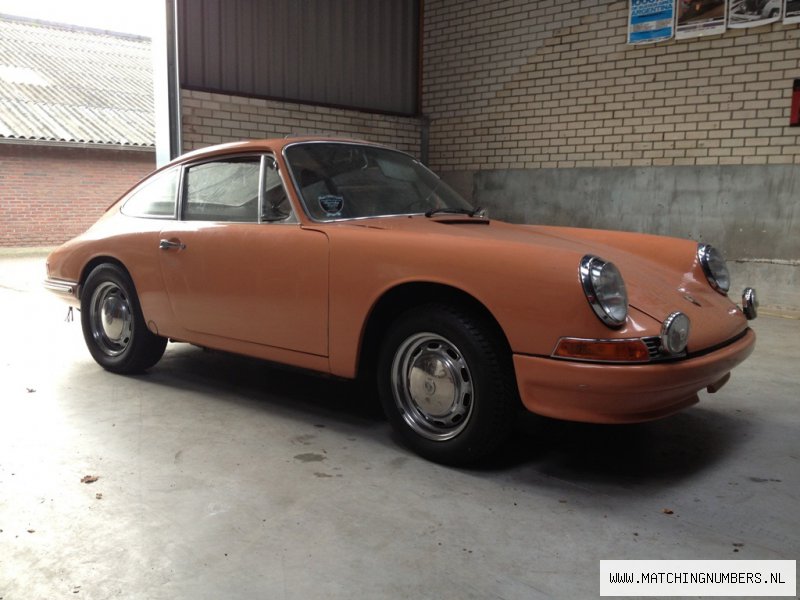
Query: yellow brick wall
point(216, 118)
point(521, 84)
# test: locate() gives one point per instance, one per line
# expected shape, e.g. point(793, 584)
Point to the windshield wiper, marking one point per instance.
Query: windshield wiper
point(475, 212)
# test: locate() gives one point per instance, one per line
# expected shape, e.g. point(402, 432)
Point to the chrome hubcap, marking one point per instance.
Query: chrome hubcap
point(110, 318)
point(432, 386)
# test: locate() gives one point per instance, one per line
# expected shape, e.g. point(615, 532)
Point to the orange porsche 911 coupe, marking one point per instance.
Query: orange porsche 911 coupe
point(354, 260)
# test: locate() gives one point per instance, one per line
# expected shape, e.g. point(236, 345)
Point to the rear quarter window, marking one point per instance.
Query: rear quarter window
point(155, 197)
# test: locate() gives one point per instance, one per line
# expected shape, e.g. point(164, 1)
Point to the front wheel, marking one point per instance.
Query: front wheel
point(113, 326)
point(446, 383)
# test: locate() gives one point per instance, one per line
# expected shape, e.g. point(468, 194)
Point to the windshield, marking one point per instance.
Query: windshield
point(349, 181)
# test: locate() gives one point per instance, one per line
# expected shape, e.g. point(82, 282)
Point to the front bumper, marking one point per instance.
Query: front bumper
point(69, 291)
point(614, 393)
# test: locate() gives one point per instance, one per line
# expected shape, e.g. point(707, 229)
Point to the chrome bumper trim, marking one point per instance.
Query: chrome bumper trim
point(58, 286)
point(750, 303)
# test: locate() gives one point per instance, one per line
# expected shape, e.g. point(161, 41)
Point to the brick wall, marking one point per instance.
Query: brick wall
point(49, 194)
point(521, 84)
point(216, 118)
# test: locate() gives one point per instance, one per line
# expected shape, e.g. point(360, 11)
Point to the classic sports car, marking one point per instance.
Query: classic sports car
point(354, 260)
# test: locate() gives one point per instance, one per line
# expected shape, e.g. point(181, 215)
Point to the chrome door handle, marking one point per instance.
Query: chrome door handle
point(168, 245)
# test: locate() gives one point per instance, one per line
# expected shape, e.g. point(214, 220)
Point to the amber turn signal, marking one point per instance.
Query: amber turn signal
point(633, 350)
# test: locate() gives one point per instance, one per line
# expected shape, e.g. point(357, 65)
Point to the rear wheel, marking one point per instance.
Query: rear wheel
point(446, 384)
point(113, 326)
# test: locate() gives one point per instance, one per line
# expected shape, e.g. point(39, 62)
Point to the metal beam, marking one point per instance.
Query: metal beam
point(166, 85)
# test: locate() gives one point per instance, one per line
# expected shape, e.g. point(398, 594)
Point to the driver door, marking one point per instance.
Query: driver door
point(238, 265)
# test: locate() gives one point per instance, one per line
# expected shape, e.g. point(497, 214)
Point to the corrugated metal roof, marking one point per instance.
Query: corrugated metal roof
point(62, 83)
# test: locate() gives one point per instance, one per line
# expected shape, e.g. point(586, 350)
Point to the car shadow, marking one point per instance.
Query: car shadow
point(252, 381)
point(651, 453)
point(540, 449)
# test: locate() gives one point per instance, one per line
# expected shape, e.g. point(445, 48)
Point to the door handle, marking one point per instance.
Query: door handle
point(169, 245)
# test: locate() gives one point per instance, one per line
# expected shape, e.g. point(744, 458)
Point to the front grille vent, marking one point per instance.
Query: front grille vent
point(653, 344)
point(654, 349)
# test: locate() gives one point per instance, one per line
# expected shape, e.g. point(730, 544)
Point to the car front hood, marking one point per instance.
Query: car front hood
point(661, 274)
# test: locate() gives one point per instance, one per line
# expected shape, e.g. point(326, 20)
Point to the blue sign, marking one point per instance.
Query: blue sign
point(651, 21)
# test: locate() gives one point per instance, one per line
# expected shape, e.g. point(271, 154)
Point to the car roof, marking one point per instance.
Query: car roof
point(275, 145)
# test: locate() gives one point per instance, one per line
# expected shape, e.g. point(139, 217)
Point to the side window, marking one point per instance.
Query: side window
point(223, 190)
point(154, 197)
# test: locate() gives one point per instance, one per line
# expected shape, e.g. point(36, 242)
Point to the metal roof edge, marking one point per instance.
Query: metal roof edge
point(64, 144)
point(75, 28)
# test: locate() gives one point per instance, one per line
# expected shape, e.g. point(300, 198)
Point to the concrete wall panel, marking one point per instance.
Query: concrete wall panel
point(750, 212)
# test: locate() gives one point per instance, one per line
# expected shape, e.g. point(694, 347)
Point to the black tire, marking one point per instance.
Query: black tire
point(447, 384)
point(113, 326)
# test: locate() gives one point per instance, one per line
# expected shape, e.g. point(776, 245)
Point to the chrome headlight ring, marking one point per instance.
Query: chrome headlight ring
point(675, 333)
point(605, 290)
point(714, 268)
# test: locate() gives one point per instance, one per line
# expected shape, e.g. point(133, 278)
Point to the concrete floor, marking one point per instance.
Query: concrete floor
point(223, 477)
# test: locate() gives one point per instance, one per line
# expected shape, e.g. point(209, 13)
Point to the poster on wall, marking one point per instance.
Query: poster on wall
point(700, 17)
point(753, 13)
point(650, 21)
point(791, 12)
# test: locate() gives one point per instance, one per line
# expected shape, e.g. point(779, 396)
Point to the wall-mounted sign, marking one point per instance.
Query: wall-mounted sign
point(752, 13)
point(791, 12)
point(650, 21)
point(700, 17)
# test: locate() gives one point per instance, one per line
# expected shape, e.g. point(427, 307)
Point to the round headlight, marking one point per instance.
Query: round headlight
point(675, 333)
point(605, 290)
point(714, 267)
